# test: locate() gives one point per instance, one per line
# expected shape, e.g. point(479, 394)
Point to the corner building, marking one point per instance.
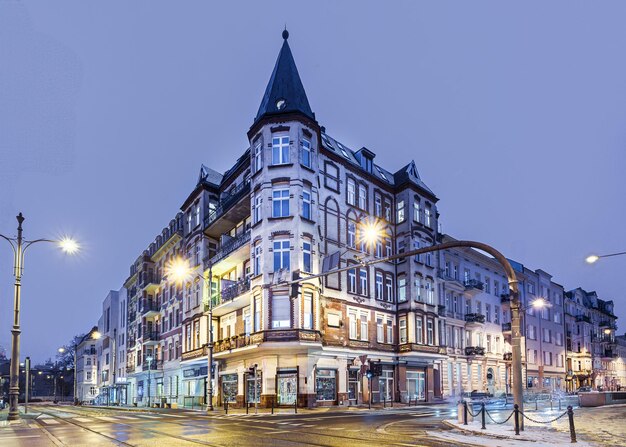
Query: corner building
point(295, 202)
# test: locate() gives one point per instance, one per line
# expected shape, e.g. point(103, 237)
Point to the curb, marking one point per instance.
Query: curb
point(481, 433)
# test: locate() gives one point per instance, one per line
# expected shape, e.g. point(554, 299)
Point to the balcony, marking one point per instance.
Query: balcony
point(226, 215)
point(414, 347)
point(506, 327)
point(149, 281)
point(450, 280)
point(474, 350)
point(473, 286)
point(155, 364)
point(505, 298)
point(228, 247)
point(194, 353)
point(441, 310)
point(474, 318)
point(507, 356)
point(275, 335)
point(583, 318)
point(130, 369)
point(149, 308)
point(609, 354)
point(227, 301)
point(132, 316)
point(607, 324)
point(150, 337)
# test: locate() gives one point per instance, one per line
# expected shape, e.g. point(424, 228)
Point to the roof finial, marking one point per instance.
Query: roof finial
point(285, 33)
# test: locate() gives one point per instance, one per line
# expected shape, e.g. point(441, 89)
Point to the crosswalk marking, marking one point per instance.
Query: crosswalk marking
point(83, 419)
point(106, 418)
point(50, 421)
point(130, 418)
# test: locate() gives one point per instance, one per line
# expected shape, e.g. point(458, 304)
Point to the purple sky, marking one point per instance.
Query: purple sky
point(514, 113)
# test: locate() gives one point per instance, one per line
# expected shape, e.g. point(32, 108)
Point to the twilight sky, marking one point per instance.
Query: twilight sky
point(514, 113)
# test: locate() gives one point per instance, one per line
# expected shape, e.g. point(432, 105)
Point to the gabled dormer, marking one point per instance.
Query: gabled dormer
point(366, 159)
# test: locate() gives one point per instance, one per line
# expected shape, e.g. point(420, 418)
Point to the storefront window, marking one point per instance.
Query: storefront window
point(253, 396)
point(386, 385)
point(326, 384)
point(416, 385)
point(229, 387)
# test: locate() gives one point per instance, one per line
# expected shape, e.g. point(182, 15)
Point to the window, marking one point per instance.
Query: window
point(258, 157)
point(306, 203)
point(380, 334)
point(280, 150)
point(189, 222)
point(389, 330)
point(389, 287)
point(402, 330)
point(416, 212)
point(331, 179)
point(351, 192)
point(430, 333)
point(280, 202)
point(388, 250)
point(362, 197)
point(401, 289)
point(306, 255)
point(325, 385)
point(363, 281)
point(400, 211)
point(281, 312)
point(387, 210)
point(379, 248)
point(487, 285)
point(364, 336)
point(306, 153)
point(488, 348)
point(351, 234)
point(247, 322)
point(257, 314)
point(488, 312)
point(257, 257)
point(281, 254)
point(430, 293)
point(418, 288)
point(353, 325)
point(256, 211)
point(379, 286)
point(427, 221)
point(496, 314)
point(307, 304)
point(352, 281)
point(378, 205)
point(419, 330)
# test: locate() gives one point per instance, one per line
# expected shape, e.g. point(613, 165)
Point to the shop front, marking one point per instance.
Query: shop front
point(194, 387)
point(326, 386)
point(286, 386)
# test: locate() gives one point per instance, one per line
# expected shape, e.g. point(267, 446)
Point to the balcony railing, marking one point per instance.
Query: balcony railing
point(474, 350)
point(505, 298)
point(154, 364)
point(230, 246)
point(130, 368)
point(583, 318)
point(275, 335)
point(507, 356)
point(228, 201)
point(474, 318)
point(147, 278)
point(230, 291)
point(148, 306)
point(607, 324)
point(132, 315)
point(473, 284)
point(151, 336)
point(90, 351)
point(609, 353)
point(506, 327)
point(446, 276)
point(195, 353)
point(441, 310)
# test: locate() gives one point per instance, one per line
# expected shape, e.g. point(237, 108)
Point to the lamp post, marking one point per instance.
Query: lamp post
point(98, 335)
point(19, 246)
point(149, 360)
point(182, 272)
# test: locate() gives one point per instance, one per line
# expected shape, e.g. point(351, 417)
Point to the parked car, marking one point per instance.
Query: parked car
point(584, 389)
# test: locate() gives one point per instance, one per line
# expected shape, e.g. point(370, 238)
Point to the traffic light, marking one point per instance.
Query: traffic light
point(252, 370)
point(376, 369)
point(295, 287)
point(369, 374)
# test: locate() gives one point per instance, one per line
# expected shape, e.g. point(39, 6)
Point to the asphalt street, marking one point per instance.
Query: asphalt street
point(92, 426)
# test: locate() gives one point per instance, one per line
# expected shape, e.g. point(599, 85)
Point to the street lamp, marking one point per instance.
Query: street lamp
point(149, 360)
point(181, 272)
point(537, 304)
point(19, 246)
point(98, 335)
point(592, 259)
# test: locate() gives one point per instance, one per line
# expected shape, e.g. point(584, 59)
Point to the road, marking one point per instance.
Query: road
point(94, 427)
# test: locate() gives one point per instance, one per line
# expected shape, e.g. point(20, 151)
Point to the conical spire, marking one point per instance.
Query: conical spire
point(285, 92)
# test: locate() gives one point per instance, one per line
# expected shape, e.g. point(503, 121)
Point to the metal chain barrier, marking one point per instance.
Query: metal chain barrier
point(543, 422)
point(499, 423)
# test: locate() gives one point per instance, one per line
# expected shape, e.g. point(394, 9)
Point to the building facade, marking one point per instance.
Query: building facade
point(86, 367)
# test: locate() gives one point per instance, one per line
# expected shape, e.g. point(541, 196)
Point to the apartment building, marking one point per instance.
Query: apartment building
point(154, 322)
point(591, 343)
point(111, 348)
point(87, 369)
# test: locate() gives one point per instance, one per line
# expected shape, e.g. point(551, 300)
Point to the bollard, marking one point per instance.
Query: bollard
point(392, 402)
point(295, 405)
point(536, 404)
point(464, 413)
point(482, 409)
point(572, 430)
point(516, 411)
point(272, 406)
point(384, 400)
point(559, 404)
point(247, 407)
point(551, 405)
point(226, 406)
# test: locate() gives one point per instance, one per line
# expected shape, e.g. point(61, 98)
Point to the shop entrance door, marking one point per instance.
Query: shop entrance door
point(287, 388)
point(416, 385)
point(386, 385)
point(353, 386)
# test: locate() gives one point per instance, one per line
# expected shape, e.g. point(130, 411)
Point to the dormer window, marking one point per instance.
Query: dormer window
point(367, 163)
point(343, 149)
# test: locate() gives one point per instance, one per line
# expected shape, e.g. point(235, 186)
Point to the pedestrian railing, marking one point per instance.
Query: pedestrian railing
point(518, 415)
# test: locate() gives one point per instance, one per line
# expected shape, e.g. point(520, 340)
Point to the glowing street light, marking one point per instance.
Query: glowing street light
point(539, 303)
point(592, 259)
point(19, 246)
